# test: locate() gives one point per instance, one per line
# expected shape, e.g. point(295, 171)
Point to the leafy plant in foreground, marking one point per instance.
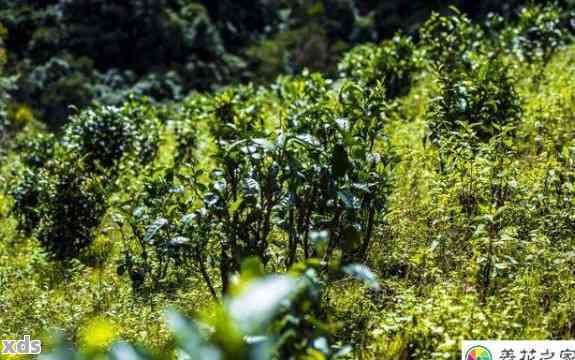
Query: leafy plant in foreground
point(264, 316)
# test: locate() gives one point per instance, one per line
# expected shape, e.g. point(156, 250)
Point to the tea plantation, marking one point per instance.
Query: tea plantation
point(421, 194)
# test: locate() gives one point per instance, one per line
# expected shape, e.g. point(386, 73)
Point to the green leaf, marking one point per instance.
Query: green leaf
point(342, 352)
point(186, 332)
point(153, 229)
point(361, 187)
point(363, 273)
point(124, 351)
point(260, 303)
point(138, 212)
point(220, 185)
point(348, 199)
point(322, 345)
point(188, 219)
point(179, 241)
point(264, 143)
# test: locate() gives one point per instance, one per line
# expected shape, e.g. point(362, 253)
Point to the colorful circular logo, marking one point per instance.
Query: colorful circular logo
point(478, 353)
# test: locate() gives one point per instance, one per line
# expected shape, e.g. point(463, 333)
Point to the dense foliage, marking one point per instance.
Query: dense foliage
point(436, 168)
point(74, 52)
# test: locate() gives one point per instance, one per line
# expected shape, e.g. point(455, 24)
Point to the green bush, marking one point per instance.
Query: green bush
point(104, 135)
point(450, 41)
point(393, 63)
point(538, 33)
point(62, 195)
point(481, 100)
point(61, 206)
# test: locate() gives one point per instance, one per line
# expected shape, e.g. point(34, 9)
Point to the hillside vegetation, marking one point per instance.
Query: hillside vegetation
point(64, 53)
point(422, 195)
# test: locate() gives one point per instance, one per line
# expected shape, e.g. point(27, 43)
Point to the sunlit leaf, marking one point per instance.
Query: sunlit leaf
point(153, 229)
point(363, 273)
point(260, 303)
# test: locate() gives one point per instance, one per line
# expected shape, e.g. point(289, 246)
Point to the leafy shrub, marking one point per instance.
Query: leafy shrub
point(61, 197)
point(539, 31)
point(74, 205)
point(54, 85)
point(61, 206)
point(27, 196)
point(482, 99)
point(393, 63)
point(450, 41)
point(313, 174)
point(37, 153)
point(103, 135)
point(165, 241)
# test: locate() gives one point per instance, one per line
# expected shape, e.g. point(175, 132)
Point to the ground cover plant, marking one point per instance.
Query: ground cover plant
point(420, 194)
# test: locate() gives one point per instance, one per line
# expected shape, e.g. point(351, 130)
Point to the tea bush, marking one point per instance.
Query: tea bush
point(450, 41)
point(268, 192)
point(393, 63)
point(64, 188)
point(61, 206)
point(540, 30)
point(103, 135)
point(482, 100)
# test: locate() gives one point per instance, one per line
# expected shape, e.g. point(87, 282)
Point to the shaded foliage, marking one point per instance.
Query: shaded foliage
point(71, 53)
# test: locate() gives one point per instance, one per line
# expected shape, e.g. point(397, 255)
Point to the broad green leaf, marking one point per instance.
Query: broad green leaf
point(179, 241)
point(153, 229)
point(363, 273)
point(261, 301)
point(186, 332)
point(349, 201)
point(125, 351)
